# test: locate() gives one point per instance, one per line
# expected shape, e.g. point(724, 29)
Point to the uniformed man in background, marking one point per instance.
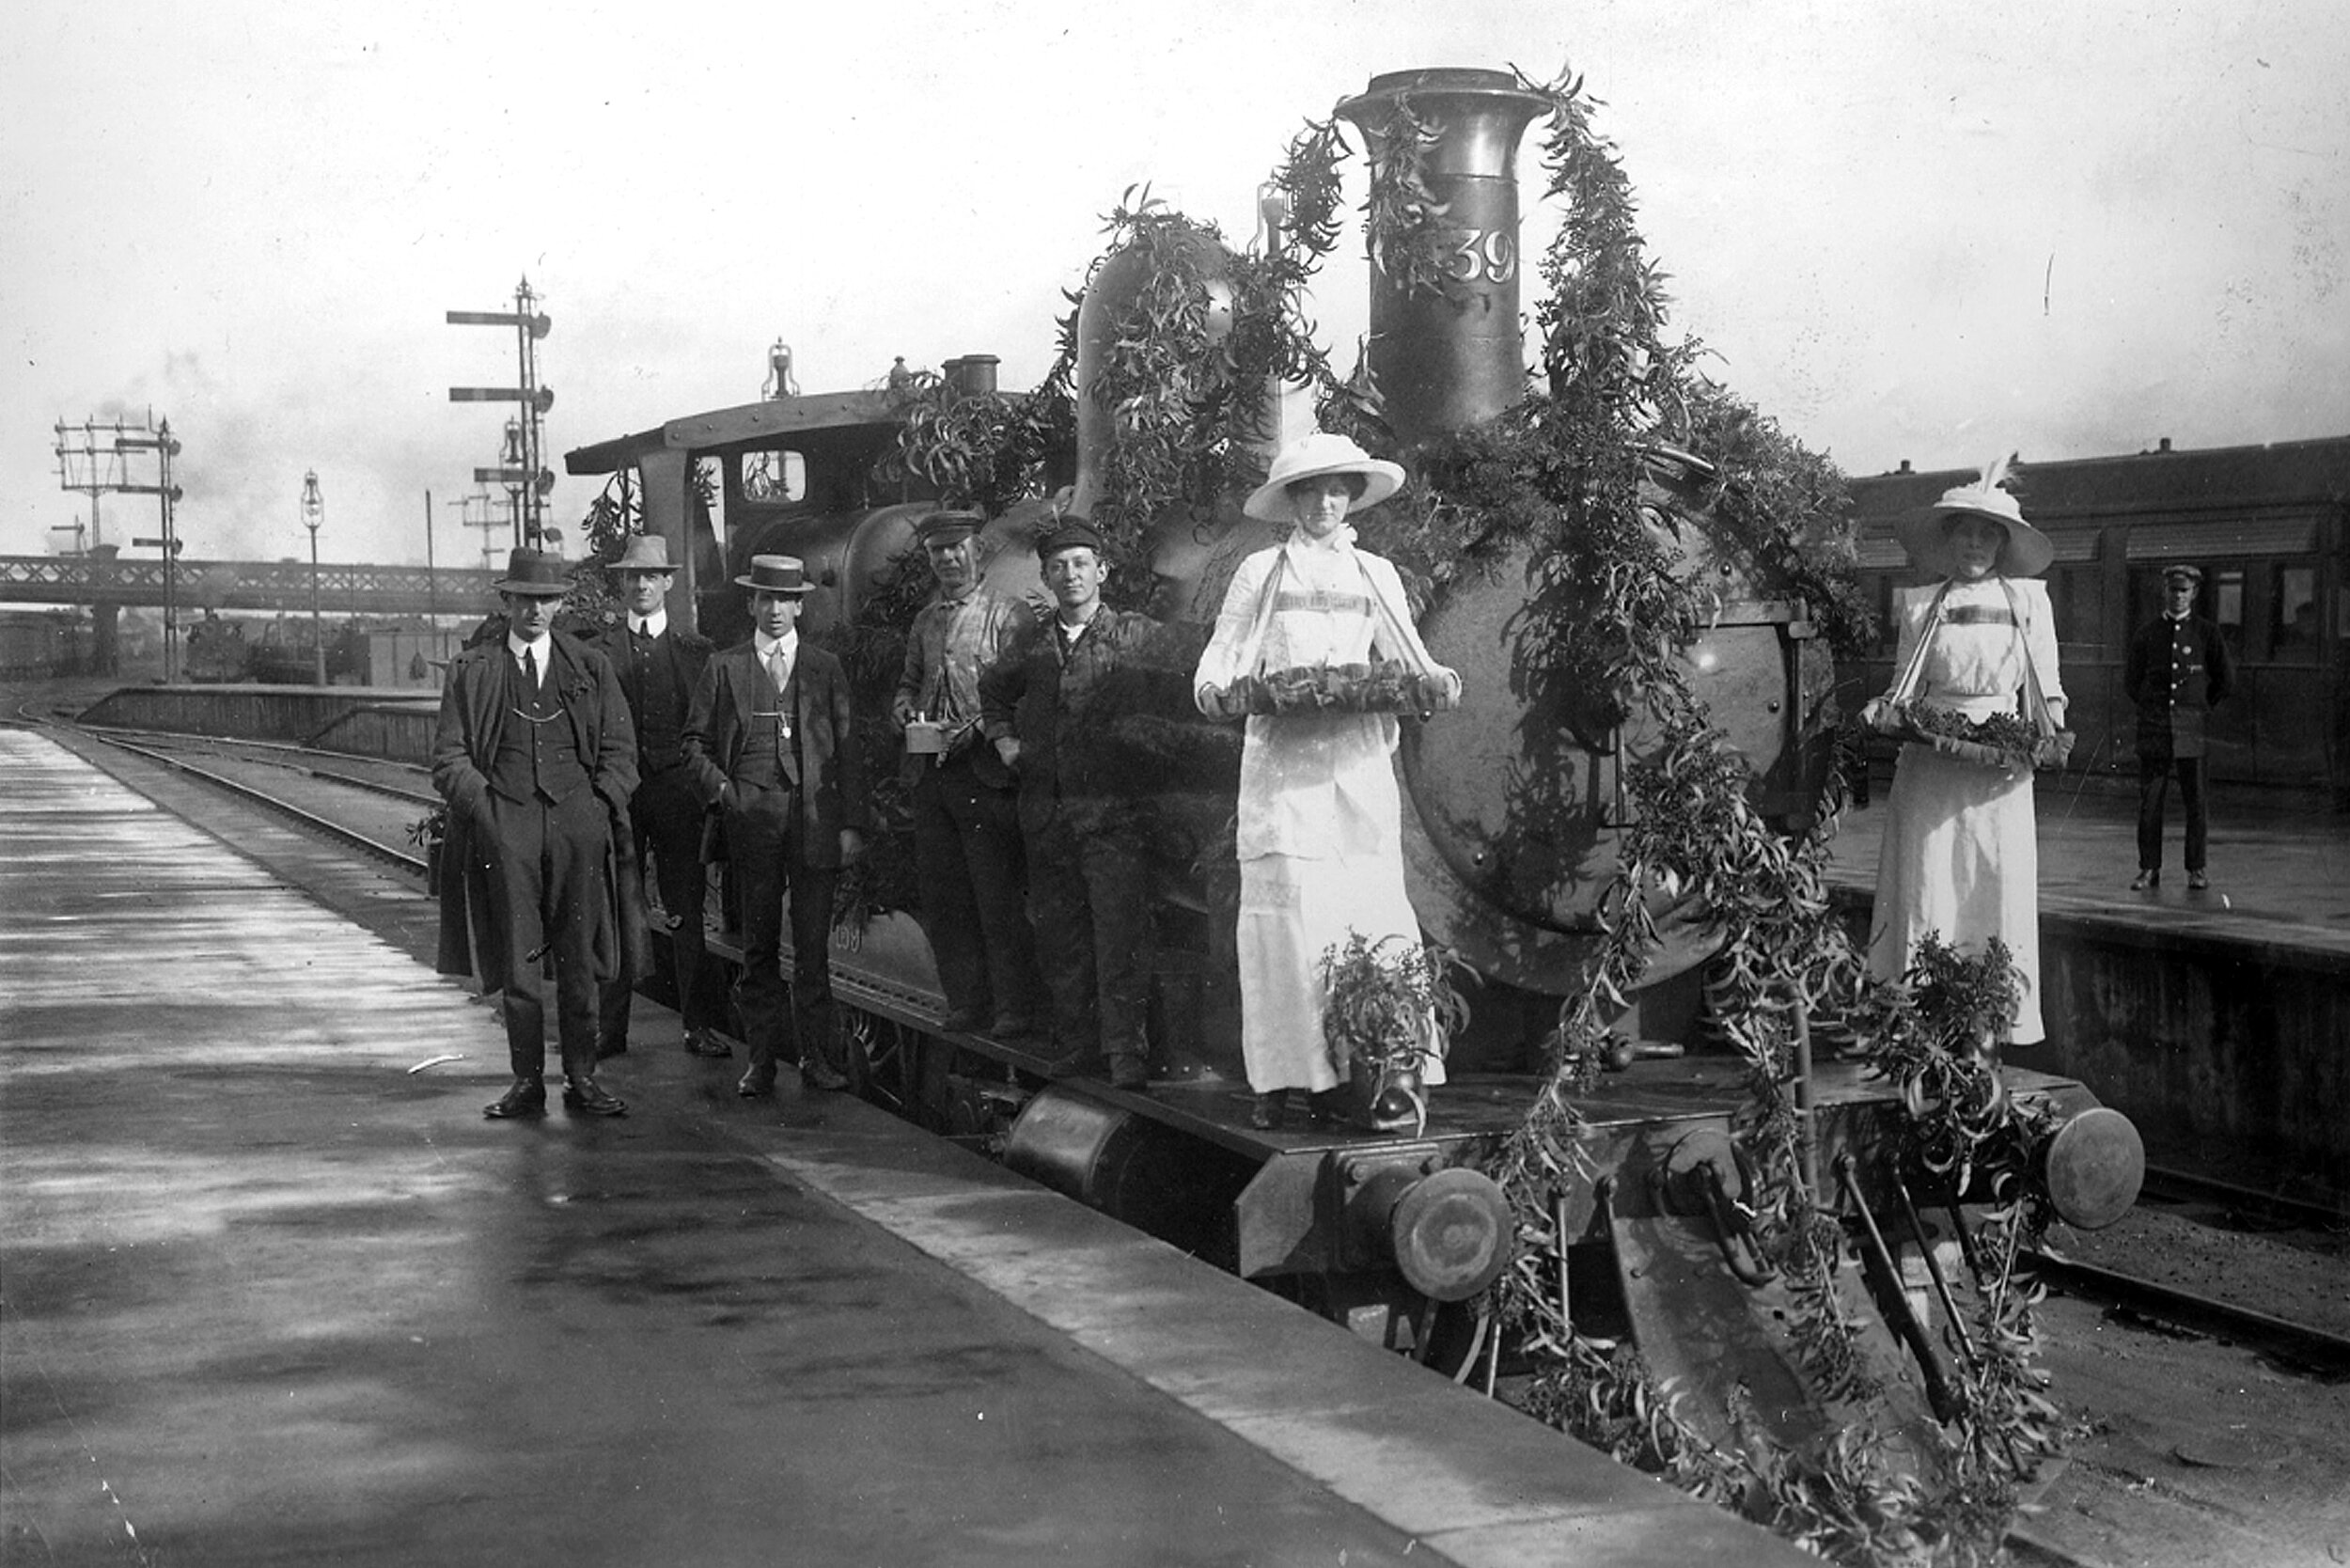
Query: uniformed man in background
point(2178, 670)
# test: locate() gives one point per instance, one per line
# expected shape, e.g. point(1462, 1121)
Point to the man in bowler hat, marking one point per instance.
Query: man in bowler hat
point(772, 743)
point(966, 828)
point(1055, 709)
point(534, 753)
point(2178, 670)
point(660, 664)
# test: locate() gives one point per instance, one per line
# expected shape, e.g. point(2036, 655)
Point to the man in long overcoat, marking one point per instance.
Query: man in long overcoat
point(2178, 670)
point(772, 742)
point(660, 663)
point(534, 754)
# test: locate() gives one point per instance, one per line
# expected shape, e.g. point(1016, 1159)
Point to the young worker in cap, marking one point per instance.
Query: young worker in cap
point(772, 743)
point(1050, 710)
point(660, 664)
point(534, 754)
point(2178, 670)
point(967, 827)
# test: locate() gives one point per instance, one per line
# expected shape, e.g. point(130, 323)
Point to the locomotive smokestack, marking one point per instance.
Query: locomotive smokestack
point(1450, 357)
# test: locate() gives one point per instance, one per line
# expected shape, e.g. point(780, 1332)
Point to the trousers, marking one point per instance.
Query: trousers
point(2153, 789)
point(547, 893)
point(1088, 896)
point(765, 840)
point(967, 846)
point(667, 817)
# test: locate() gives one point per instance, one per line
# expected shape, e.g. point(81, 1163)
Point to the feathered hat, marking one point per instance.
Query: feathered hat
point(1925, 533)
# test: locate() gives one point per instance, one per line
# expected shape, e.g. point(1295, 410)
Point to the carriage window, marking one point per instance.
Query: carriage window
point(2223, 600)
point(2293, 605)
point(775, 476)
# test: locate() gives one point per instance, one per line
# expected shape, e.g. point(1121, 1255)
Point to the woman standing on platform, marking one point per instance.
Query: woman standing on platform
point(1320, 817)
point(1961, 855)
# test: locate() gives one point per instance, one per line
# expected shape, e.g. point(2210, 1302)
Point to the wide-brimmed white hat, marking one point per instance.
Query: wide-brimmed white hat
point(1925, 536)
point(1309, 457)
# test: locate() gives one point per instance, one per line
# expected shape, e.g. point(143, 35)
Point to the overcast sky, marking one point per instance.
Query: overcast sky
point(1929, 230)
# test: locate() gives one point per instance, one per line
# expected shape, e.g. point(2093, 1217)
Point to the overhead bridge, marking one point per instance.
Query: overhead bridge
point(266, 586)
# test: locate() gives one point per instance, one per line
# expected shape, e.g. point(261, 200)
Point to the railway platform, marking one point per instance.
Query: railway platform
point(276, 1292)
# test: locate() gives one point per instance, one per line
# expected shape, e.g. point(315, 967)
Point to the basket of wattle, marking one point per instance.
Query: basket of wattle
point(2001, 741)
point(1384, 687)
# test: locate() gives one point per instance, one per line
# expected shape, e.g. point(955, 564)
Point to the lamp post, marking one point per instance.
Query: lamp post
point(314, 513)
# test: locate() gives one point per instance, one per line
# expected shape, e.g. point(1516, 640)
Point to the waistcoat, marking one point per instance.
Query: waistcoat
point(536, 758)
point(771, 746)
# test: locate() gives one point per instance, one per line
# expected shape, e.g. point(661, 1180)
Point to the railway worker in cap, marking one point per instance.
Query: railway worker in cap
point(660, 664)
point(1320, 836)
point(1961, 854)
point(1052, 709)
point(2178, 670)
point(535, 756)
point(967, 824)
point(771, 741)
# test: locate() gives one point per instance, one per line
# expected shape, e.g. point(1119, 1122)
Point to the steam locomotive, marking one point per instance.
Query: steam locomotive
point(1399, 1236)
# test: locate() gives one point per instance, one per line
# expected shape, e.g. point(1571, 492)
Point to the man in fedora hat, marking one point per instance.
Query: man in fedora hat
point(535, 755)
point(1053, 708)
point(2178, 670)
point(660, 664)
point(967, 825)
point(772, 743)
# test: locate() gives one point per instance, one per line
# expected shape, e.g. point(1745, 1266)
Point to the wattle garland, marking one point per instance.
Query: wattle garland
point(1610, 601)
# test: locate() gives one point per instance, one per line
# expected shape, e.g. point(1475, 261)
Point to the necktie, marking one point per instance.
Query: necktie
point(531, 672)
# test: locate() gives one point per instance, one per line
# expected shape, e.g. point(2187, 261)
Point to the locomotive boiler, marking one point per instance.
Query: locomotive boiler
point(1397, 1237)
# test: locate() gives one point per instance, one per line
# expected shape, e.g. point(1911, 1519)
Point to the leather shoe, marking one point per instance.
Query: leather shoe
point(605, 1048)
point(590, 1098)
point(1014, 1026)
point(960, 1020)
point(1130, 1074)
point(701, 1042)
point(816, 1073)
point(528, 1097)
point(1269, 1111)
point(2197, 882)
point(757, 1084)
point(2145, 880)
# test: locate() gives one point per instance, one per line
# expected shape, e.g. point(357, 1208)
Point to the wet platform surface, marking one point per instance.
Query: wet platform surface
point(2276, 877)
point(274, 1292)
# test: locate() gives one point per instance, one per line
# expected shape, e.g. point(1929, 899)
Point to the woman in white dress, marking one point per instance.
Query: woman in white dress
point(1319, 816)
point(1961, 855)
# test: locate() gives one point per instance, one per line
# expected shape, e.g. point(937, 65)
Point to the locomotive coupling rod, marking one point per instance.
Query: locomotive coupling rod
point(1806, 1132)
point(1893, 1301)
point(1934, 1272)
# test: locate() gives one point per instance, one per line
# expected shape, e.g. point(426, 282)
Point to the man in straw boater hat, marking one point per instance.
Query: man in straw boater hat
point(660, 664)
point(772, 743)
point(534, 754)
point(967, 823)
point(2178, 670)
point(1961, 854)
point(1057, 709)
